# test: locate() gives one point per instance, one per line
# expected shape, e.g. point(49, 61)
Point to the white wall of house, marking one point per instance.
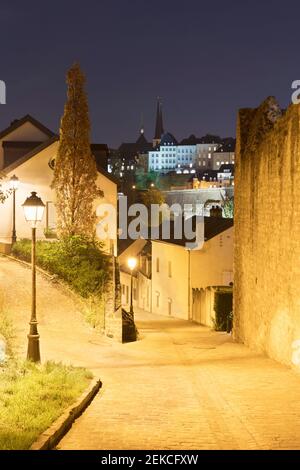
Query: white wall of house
point(36, 175)
point(170, 157)
point(213, 264)
point(144, 292)
point(176, 271)
point(170, 293)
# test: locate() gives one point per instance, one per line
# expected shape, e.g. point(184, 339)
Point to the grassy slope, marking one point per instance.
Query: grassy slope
point(32, 397)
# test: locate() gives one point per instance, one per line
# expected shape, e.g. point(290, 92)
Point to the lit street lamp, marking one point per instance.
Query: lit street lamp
point(33, 212)
point(14, 184)
point(132, 262)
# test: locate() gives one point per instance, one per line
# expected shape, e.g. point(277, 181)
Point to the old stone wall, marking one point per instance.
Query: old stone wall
point(267, 230)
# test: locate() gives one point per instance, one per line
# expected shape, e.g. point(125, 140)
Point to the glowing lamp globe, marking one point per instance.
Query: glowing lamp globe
point(132, 262)
point(33, 209)
point(14, 183)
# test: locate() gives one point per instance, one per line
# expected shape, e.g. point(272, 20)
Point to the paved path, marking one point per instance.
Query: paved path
point(180, 386)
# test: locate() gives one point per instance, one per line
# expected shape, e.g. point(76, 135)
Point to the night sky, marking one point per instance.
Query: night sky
point(205, 59)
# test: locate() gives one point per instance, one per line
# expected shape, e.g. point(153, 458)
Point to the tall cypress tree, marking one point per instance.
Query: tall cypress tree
point(75, 171)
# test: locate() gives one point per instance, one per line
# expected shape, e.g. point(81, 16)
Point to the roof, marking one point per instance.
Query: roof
point(19, 122)
point(227, 145)
point(131, 149)
point(205, 175)
point(213, 226)
point(31, 154)
point(207, 139)
point(43, 146)
point(20, 144)
point(168, 139)
point(100, 147)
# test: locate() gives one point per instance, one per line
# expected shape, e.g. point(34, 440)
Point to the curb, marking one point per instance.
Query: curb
point(51, 437)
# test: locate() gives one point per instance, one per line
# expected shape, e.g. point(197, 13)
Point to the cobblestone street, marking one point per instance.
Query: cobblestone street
point(181, 386)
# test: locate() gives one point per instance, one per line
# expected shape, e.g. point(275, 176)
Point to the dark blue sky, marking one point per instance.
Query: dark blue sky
point(205, 59)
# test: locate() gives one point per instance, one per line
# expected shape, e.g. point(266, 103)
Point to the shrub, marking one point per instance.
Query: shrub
point(223, 309)
point(79, 262)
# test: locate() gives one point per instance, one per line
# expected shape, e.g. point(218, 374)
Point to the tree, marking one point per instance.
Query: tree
point(145, 179)
point(3, 194)
point(75, 170)
point(228, 206)
point(152, 196)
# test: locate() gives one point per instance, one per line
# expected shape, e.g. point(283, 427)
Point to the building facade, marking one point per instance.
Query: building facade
point(176, 270)
point(34, 169)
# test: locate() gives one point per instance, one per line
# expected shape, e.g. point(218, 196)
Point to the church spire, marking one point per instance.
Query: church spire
point(142, 128)
point(159, 127)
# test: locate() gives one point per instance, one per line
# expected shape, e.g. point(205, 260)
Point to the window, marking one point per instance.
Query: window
point(127, 294)
point(209, 155)
point(157, 299)
point(170, 268)
point(123, 289)
point(157, 265)
point(50, 216)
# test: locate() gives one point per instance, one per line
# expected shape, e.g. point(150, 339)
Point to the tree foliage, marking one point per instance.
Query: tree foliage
point(228, 206)
point(3, 194)
point(152, 196)
point(144, 179)
point(75, 171)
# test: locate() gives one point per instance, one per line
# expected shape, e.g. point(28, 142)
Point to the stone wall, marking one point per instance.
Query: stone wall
point(113, 310)
point(267, 230)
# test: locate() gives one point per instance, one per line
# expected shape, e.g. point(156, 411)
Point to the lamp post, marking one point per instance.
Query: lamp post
point(33, 212)
point(14, 184)
point(132, 262)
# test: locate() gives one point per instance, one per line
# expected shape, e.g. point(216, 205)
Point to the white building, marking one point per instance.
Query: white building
point(168, 155)
point(141, 282)
point(177, 271)
point(28, 150)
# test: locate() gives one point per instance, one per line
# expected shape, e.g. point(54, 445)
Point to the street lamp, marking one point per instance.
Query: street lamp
point(132, 262)
point(33, 212)
point(14, 184)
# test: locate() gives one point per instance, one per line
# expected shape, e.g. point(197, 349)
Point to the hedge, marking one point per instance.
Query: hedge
point(79, 262)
